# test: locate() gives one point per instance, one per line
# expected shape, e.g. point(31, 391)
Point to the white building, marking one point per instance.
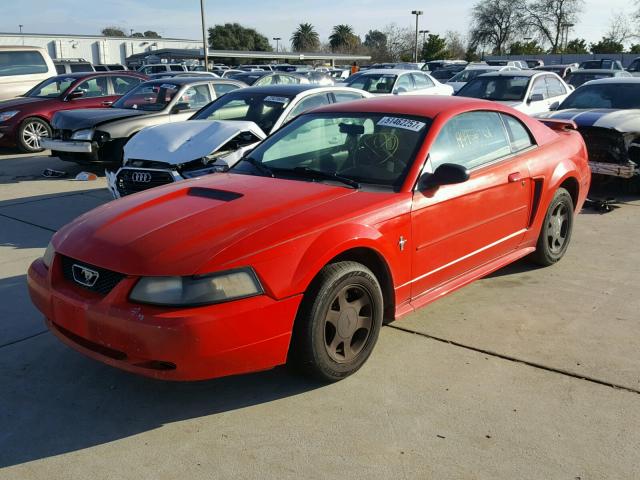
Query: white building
point(95, 48)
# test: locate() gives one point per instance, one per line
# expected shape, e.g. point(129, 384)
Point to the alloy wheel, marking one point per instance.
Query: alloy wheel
point(558, 228)
point(32, 133)
point(348, 323)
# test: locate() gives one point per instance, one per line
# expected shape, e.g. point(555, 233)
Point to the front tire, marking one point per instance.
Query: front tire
point(30, 132)
point(338, 323)
point(555, 234)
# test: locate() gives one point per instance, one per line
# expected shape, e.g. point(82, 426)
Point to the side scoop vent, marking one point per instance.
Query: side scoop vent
point(213, 194)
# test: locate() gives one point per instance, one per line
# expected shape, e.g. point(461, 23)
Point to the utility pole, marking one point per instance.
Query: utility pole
point(205, 44)
point(417, 13)
point(277, 39)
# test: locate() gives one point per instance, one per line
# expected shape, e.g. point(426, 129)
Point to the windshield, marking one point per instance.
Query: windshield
point(468, 75)
point(374, 82)
point(496, 88)
point(51, 87)
point(612, 95)
point(578, 78)
point(373, 149)
point(149, 97)
point(261, 108)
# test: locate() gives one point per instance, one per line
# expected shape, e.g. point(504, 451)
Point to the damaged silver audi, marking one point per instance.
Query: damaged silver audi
point(216, 137)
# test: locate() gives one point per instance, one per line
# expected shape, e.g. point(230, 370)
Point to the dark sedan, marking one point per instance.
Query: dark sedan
point(25, 120)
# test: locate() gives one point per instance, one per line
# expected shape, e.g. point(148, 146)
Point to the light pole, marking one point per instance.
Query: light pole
point(277, 39)
point(20, 27)
point(424, 35)
point(417, 13)
point(205, 45)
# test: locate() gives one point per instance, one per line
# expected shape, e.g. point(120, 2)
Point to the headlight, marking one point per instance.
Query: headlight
point(4, 116)
point(197, 290)
point(82, 135)
point(49, 253)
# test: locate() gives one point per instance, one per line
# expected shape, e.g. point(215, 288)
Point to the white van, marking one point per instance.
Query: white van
point(21, 68)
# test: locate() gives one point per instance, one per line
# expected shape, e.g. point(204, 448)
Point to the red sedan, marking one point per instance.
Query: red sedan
point(349, 216)
point(25, 119)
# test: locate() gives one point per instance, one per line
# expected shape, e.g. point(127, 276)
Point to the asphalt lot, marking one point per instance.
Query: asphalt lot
point(527, 374)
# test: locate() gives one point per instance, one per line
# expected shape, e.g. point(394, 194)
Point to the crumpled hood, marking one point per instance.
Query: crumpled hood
point(179, 228)
point(19, 102)
point(91, 117)
point(620, 120)
point(180, 142)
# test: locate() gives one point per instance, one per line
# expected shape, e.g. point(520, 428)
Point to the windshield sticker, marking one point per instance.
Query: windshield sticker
point(169, 86)
point(404, 123)
point(275, 99)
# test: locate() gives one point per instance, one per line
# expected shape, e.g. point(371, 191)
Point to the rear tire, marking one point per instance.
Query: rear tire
point(30, 132)
point(338, 322)
point(555, 233)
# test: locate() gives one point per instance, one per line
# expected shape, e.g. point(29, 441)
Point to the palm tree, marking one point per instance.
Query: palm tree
point(342, 38)
point(305, 38)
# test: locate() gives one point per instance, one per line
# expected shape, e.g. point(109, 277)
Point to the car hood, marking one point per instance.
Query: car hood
point(621, 120)
point(180, 142)
point(20, 102)
point(91, 117)
point(178, 229)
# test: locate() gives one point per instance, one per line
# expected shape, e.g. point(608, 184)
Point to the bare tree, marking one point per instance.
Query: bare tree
point(550, 18)
point(456, 45)
point(496, 23)
point(400, 42)
point(620, 28)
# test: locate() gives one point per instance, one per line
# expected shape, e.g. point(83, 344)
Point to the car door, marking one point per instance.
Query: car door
point(404, 85)
point(556, 91)
point(96, 93)
point(457, 228)
point(537, 100)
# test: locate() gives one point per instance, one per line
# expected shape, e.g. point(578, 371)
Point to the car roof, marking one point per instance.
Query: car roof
point(290, 89)
point(190, 80)
point(629, 80)
point(420, 105)
point(389, 71)
point(100, 74)
point(517, 73)
point(596, 71)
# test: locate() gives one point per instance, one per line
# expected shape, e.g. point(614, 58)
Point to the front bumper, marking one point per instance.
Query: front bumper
point(170, 344)
point(67, 146)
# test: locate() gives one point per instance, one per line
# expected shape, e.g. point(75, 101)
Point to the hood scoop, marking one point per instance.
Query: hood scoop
point(213, 194)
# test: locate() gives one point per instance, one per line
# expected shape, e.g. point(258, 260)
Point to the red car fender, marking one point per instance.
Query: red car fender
point(335, 241)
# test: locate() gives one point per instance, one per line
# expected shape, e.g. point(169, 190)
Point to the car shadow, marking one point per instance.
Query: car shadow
point(55, 401)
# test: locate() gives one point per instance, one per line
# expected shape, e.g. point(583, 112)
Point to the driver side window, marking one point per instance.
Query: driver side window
point(94, 87)
point(314, 101)
point(405, 82)
point(197, 96)
point(470, 140)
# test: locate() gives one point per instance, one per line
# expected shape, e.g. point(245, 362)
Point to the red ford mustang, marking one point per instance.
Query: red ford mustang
point(351, 215)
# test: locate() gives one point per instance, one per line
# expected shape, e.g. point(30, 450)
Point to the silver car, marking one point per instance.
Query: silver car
point(99, 134)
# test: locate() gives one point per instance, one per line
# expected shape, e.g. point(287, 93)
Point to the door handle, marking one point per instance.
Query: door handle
point(107, 103)
point(514, 177)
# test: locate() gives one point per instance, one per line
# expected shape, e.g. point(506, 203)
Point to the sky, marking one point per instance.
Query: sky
point(181, 18)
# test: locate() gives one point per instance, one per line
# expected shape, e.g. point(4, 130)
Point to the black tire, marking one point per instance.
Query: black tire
point(555, 233)
point(29, 133)
point(338, 322)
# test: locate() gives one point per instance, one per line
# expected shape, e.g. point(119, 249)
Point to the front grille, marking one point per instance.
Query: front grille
point(133, 180)
point(106, 281)
point(604, 145)
point(59, 134)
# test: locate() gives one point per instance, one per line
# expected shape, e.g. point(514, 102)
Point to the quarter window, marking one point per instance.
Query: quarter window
point(518, 134)
point(471, 139)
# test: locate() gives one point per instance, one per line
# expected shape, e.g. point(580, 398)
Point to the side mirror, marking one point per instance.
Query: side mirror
point(180, 107)
point(554, 106)
point(445, 174)
point(75, 94)
point(536, 97)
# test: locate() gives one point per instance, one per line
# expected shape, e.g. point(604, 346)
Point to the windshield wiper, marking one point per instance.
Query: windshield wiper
point(259, 166)
point(310, 172)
